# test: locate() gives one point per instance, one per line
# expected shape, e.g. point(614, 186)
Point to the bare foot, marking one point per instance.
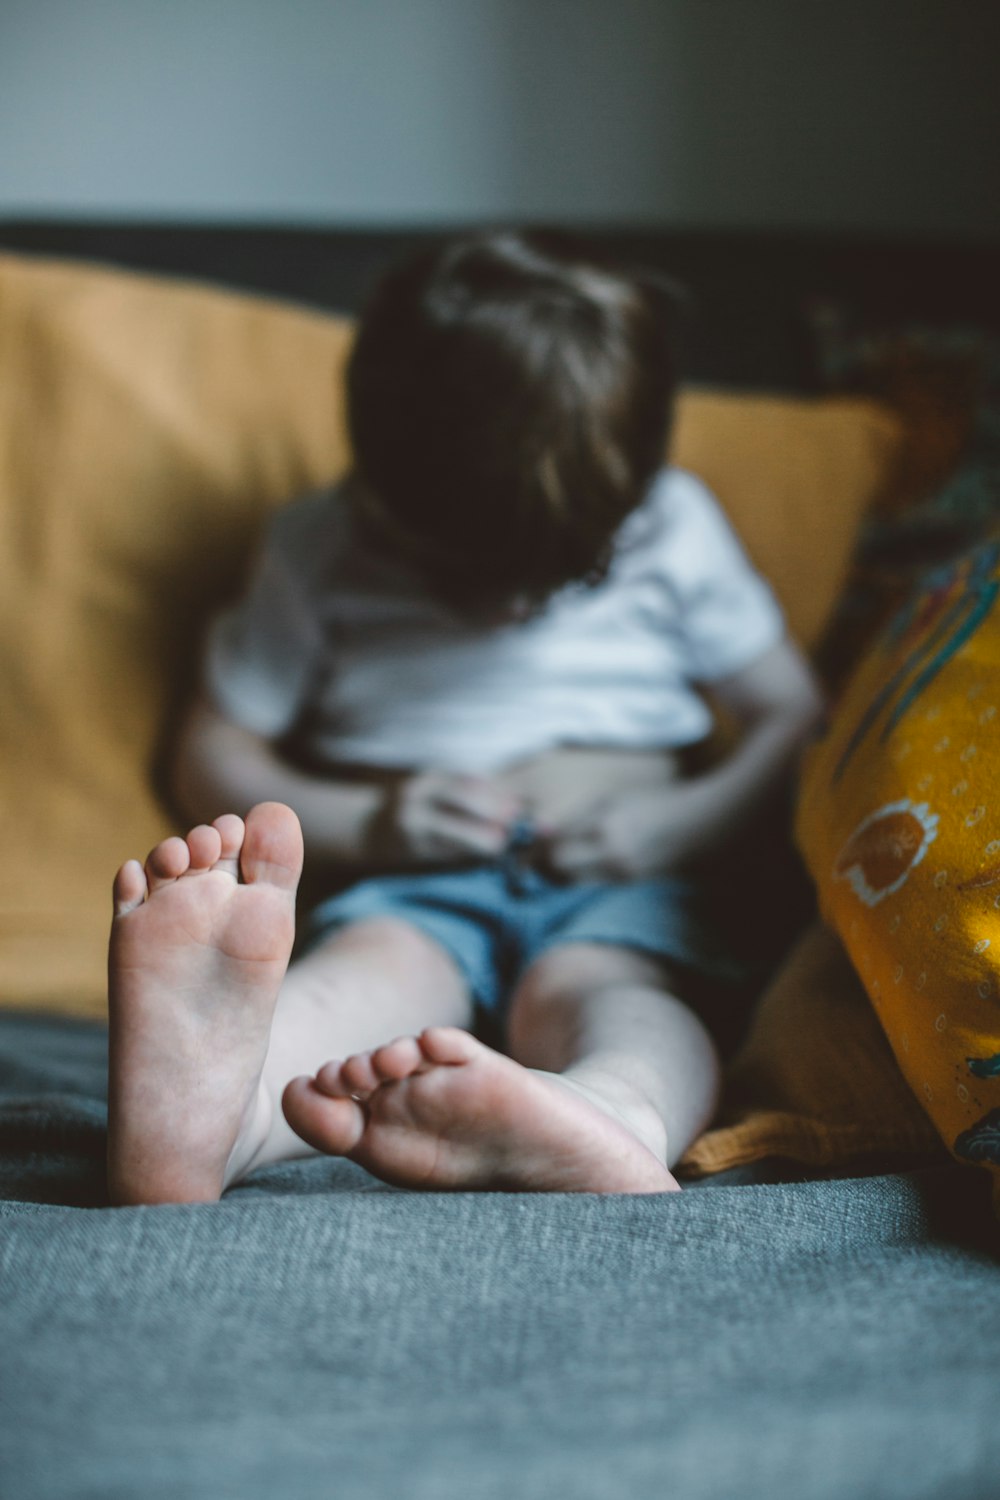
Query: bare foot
point(199, 946)
point(443, 1111)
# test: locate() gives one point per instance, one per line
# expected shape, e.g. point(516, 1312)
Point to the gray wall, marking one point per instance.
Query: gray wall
point(881, 115)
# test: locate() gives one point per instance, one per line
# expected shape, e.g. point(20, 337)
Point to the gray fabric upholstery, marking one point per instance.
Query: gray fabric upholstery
point(318, 1334)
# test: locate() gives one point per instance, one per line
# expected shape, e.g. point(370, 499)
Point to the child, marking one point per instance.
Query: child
point(478, 671)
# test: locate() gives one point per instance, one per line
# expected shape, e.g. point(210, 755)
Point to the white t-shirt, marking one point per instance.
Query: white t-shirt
point(342, 645)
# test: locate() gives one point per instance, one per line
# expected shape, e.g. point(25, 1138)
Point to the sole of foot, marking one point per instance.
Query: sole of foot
point(200, 943)
point(443, 1111)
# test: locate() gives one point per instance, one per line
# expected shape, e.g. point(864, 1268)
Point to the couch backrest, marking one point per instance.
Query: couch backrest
point(146, 430)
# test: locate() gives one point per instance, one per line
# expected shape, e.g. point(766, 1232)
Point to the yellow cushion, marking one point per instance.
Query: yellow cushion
point(899, 821)
point(796, 476)
point(146, 429)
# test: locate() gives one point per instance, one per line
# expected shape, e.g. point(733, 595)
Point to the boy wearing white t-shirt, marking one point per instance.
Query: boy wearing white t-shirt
point(483, 672)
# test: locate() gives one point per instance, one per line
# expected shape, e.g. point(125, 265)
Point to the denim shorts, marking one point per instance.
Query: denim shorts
point(495, 920)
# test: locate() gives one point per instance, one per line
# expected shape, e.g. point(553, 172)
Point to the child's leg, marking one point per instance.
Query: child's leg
point(200, 1051)
point(607, 1067)
point(372, 981)
point(604, 1019)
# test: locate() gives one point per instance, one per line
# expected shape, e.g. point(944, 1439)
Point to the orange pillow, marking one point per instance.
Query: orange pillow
point(146, 430)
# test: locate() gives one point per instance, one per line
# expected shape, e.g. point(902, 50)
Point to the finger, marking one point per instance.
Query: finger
point(578, 830)
point(478, 798)
point(574, 858)
point(466, 836)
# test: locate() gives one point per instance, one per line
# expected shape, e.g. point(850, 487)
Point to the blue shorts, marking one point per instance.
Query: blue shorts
point(495, 921)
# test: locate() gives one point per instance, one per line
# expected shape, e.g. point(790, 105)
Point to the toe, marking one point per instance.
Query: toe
point(447, 1044)
point(167, 862)
point(398, 1059)
point(359, 1075)
point(129, 887)
point(334, 1126)
point(272, 847)
point(231, 831)
point(330, 1080)
point(205, 846)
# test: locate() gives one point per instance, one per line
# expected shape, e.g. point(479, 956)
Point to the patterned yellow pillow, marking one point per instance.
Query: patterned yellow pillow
point(899, 821)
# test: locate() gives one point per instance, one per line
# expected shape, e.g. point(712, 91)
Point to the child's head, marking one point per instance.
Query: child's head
point(509, 402)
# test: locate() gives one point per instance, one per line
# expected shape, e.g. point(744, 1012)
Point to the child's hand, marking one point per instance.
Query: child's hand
point(632, 836)
point(435, 816)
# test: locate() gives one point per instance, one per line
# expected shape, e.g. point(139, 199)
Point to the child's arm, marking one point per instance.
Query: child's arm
point(775, 702)
point(424, 818)
point(221, 766)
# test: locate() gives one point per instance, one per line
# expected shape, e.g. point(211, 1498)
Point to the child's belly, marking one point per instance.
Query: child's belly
point(560, 784)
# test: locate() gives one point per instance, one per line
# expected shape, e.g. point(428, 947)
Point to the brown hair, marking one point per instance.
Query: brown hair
point(509, 402)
